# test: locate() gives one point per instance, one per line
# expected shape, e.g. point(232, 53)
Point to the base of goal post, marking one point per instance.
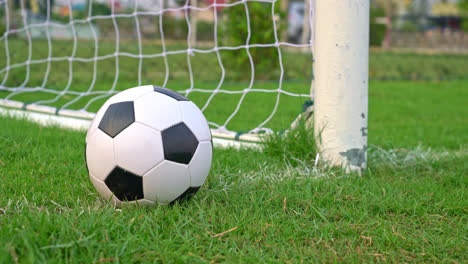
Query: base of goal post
point(80, 120)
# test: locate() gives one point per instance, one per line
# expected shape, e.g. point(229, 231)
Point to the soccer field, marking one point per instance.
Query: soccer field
point(271, 206)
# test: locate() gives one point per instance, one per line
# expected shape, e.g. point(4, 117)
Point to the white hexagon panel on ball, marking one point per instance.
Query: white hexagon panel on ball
point(138, 148)
point(157, 110)
point(100, 154)
point(166, 182)
point(200, 164)
point(195, 120)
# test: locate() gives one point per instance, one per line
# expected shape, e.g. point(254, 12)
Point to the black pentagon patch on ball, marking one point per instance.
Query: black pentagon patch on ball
point(179, 143)
point(117, 117)
point(170, 93)
point(125, 185)
point(189, 193)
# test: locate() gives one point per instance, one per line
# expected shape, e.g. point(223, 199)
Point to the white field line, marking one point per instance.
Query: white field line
point(402, 158)
point(378, 157)
point(83, 124)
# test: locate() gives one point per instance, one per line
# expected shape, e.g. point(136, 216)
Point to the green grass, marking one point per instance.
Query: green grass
point(407, 114)
point(272, 206)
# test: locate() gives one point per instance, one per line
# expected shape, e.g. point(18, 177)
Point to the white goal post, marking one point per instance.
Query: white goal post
point(341, 52)
point(333, 47)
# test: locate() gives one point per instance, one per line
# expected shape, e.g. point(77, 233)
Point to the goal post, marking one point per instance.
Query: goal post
point(341, 53)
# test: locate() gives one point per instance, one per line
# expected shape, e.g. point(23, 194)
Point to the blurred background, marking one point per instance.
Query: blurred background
point(414, 26)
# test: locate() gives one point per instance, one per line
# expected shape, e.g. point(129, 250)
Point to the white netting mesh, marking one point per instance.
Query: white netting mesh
point(238, 66)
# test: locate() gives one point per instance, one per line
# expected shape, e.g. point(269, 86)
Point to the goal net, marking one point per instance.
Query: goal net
point(247, 64)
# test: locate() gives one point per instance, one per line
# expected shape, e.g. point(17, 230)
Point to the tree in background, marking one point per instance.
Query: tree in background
point(463, 5)
point(2, 19)
point(234, 30)
point(377, 29)
point(391, 7)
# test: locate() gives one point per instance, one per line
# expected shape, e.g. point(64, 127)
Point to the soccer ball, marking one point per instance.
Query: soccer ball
point(148, 145)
